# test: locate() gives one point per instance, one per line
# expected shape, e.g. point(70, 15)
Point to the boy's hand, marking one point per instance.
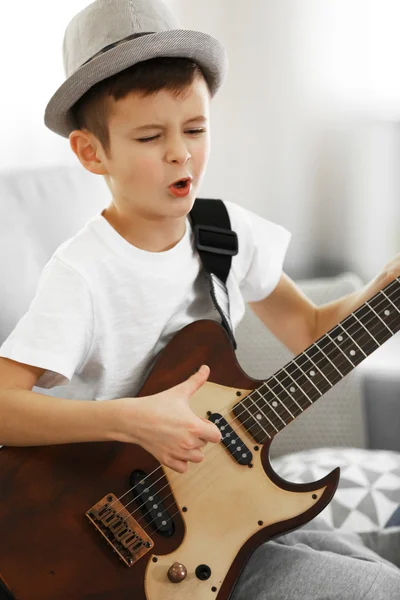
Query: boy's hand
point(165, 425)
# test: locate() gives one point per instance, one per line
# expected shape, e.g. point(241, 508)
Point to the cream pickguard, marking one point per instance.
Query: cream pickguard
point(225, 502)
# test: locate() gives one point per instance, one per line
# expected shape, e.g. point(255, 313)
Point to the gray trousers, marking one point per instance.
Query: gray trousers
point(316, 562)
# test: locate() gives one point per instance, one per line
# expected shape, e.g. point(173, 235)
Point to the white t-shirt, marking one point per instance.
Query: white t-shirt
point(104, 309)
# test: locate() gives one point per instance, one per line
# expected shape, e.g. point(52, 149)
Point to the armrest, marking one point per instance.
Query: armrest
point(382, 403)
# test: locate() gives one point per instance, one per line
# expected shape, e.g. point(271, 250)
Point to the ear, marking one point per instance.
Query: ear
point(89, 151)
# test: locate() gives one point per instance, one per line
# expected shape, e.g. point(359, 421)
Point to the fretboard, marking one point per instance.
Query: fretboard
point(302, 381)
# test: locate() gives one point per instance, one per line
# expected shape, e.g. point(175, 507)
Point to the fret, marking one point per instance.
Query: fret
point(313, 373)
point(336, 345)
point(367, 329)
point(387, 311)
point(365, 313)
point(272, 394)
point(364, 343)
point(387, 297)
point(393, 292)
point(381, 320)
point(267, 414)
point(326, 364)
point(392, 295)
point(252, 420)
point(296, 386)
point(298, 376)
point(286, 396)
point(304, 372)
point(317, 361)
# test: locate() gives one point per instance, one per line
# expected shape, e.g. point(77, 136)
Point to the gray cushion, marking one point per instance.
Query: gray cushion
point(368, 495)
point(337, 419)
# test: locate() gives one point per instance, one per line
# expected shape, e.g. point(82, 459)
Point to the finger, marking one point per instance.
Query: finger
point(201, 443)
point(194, 456)
point(210, 432)
point(195, 381)
point(180, 466)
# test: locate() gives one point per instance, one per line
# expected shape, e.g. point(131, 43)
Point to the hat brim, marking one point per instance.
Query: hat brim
point(202, 48)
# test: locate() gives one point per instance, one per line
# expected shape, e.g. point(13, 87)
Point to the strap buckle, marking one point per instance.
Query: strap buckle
point(227, 238)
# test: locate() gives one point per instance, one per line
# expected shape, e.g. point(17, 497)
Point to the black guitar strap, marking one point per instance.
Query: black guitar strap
point(216, 243)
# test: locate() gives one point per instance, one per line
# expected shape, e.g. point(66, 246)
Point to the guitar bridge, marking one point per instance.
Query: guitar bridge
point(120, 530)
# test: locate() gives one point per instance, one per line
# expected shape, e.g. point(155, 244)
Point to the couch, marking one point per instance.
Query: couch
point(39, 209)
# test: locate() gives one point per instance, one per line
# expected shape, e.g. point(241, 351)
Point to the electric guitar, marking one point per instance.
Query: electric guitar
point(105, 521)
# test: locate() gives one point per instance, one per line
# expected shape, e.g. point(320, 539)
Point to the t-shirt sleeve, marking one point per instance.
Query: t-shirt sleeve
point(56, 332)
point(262, 250)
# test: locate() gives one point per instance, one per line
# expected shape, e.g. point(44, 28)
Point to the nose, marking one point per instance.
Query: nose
point(177, 150)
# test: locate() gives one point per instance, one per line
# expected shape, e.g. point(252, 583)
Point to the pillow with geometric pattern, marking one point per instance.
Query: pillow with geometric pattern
point(368, 494)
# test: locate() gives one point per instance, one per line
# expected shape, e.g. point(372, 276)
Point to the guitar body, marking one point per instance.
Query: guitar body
point(221, 510)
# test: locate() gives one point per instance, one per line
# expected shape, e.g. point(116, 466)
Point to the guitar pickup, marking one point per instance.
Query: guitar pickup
point(151, 505)
point(231, 440)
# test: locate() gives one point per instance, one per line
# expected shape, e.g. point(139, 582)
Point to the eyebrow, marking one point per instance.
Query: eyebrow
point(159, 126)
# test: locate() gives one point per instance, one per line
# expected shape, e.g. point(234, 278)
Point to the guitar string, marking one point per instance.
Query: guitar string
point(170, 494)
point(242, 423)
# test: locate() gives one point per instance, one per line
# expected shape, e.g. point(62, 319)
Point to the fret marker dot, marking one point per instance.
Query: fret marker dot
point(340, 338)
point(387, 312)
point(312, 373)
point(259, 417)
point(274, 404)
point(352, 352)
point(292, 389)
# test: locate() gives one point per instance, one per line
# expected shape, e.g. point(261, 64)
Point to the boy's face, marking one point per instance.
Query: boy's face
point(139, 173)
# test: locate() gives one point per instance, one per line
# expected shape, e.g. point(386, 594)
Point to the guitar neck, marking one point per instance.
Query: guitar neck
point(302, 381)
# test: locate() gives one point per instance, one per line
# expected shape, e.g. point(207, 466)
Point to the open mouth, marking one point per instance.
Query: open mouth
point(181, 183)
point(181, 188)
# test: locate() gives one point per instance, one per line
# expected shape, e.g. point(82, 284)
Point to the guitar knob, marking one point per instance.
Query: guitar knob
point(177, 573)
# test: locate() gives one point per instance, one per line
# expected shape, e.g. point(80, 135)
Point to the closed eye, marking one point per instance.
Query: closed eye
point(154, 137)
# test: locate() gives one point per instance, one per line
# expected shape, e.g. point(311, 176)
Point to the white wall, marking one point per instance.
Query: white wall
point(31, 37)
point(308, 123)
point(304, 130)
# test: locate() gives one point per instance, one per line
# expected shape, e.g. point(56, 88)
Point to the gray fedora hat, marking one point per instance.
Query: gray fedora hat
point(109, 36)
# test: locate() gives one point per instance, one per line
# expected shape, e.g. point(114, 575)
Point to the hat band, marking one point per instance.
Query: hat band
point(106, 48)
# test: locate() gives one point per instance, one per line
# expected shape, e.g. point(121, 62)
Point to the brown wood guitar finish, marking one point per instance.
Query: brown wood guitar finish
point(222, 510)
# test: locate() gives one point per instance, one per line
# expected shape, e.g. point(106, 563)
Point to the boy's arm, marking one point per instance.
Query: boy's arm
point(163, 423)
point(297, 322)
point(289, 314)
point(28, 418)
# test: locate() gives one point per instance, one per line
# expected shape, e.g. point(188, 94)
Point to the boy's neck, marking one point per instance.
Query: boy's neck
point(144, 234)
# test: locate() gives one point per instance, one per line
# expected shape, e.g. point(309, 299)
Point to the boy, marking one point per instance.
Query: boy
point(135, 107)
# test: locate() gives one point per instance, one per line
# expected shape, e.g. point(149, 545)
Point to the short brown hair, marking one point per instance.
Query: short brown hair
point(150, 76)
